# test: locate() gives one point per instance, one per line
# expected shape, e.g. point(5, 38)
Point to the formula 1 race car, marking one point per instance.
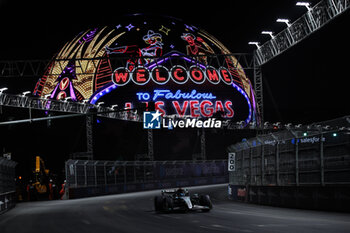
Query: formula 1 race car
point(180, 199)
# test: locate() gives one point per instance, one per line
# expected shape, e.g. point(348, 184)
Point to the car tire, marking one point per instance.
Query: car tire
point(168, 204)
point(158, 203)
point(204, 200)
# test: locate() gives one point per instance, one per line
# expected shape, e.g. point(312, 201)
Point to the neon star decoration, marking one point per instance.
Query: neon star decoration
point(189, 27)
point(165, 30)
point(129, 27)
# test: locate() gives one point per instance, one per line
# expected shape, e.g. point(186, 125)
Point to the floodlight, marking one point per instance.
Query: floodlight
point(327, 127)
point(268, 33)
point(26, 93)
point(85, 101)
point(305, 4)
point(47, 96)
point(252, 125)
point(67, 98)
point(286, 21)
point(100, 103)
point(114, 106)
point(254, 43)
point(3, 89)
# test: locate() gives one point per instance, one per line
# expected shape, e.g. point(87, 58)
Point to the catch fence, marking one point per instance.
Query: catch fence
point(90, 178)
point(293, 158)
point(304, 167)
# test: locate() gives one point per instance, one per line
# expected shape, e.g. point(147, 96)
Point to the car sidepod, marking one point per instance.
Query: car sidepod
point(188, 202)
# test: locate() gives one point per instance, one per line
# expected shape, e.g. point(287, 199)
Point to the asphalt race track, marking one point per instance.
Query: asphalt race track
point(135, 213)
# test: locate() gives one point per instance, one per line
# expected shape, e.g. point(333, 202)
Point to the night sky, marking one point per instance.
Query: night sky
point(306, 84)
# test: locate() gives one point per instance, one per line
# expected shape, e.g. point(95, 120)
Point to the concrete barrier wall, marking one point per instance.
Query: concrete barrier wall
point(334, 198)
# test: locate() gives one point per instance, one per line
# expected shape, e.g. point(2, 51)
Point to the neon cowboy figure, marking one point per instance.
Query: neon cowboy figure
point(196, 46)
point(155, 48)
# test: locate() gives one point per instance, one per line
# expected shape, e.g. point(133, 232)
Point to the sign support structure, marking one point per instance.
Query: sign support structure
point(258, 88)
point(150, 144)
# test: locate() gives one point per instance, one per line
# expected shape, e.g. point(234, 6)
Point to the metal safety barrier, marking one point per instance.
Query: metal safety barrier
point(7, 201)
point(7, 184)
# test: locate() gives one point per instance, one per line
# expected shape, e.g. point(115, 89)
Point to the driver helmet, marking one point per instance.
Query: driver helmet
point(181, 192)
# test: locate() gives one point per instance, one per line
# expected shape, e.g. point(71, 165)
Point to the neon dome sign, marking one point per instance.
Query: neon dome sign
point(183, 69)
